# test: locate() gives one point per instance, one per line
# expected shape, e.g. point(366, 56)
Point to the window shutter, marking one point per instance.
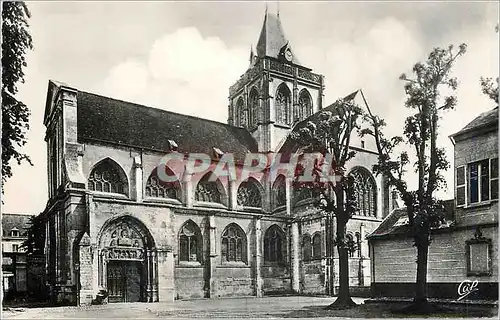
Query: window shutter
point(494, 178)
point(460, 191)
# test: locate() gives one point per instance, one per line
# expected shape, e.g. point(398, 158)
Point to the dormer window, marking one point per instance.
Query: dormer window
point(14, 232)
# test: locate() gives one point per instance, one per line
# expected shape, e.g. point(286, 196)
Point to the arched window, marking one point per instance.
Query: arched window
point(365, 190)
point(107, 176)
point(254, 107)
point(316, 246)
point(282, 104)
point(305, 108)
point(157, 188)
point(190, 243)
point(249, 194)
point(242, 113)
point(207, 189)
point(279, 192)
point(233, 247)
point(274, 245)
point(306, 248)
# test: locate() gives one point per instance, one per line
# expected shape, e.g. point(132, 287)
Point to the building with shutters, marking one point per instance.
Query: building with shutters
point(463, 249)
point(114, 224)
point(14, 271)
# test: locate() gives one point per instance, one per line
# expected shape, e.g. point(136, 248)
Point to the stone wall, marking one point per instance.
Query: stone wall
point(394, 263)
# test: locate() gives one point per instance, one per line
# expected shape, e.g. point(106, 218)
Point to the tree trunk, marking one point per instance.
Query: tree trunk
point(420, 303)
point(344, 300)
point(421, 284)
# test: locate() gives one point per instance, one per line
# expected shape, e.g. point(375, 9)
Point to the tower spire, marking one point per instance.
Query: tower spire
point(278, 10)
point(272, 39)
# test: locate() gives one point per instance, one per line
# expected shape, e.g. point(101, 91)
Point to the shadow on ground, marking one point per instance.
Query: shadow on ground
point(375, 310)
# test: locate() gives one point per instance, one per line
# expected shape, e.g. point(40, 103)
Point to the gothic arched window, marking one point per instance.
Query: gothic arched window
point(233, 247)
point(157, 188)
point(108, 176)
point(316, 246)
point(306, 248)
point(279, 192)
point(249, 194)
point(365, 190)
point(274, 245)
point(190, 243)
point(254, 108)
point(242, 113)
point(208, 190)
point(282, 104)
point(305, 108)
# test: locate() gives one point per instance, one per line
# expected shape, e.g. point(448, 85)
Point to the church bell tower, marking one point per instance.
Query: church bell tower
point(276, 91)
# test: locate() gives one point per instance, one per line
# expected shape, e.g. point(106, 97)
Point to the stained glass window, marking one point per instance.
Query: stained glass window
point(107, 176)
point(233, 244)
point(365, 190)
point(249, 194)
point(274, 245)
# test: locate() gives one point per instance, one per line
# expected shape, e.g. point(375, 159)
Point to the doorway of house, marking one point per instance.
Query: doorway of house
point(125, 281)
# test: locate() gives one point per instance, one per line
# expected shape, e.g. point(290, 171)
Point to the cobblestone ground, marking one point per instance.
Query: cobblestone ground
point(268, 307)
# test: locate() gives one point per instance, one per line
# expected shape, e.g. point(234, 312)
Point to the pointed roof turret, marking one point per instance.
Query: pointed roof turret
point(252, 57)
point(272, 40)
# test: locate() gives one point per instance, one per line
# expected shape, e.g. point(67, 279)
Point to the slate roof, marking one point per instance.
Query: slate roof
point(388, 226)
point(272, 38)
point(13, 220)
point(290, 144)
point(114, 121)
point(487, 118)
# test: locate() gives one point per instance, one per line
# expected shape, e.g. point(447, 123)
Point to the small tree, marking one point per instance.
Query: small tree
point(490, 89)
point(329, 134)
point(35, 236)
point(426, 102)
point(16, 41)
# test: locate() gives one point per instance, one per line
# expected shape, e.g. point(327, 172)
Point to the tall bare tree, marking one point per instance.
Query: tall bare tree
point(427, 104)
point(329, 135)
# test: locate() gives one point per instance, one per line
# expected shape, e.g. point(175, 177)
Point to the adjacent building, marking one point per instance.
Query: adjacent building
point(464, 249)
point(14, 272)
point(112, 222)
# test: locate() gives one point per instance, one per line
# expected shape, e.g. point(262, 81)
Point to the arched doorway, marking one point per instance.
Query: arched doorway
point(128, 262)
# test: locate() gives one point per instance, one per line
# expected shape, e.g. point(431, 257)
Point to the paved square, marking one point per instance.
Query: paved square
point(267, 307)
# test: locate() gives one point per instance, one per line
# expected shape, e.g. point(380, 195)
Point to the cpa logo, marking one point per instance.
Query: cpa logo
point(466, 287)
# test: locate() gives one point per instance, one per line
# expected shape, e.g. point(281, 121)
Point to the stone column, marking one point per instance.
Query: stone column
point(364, 246)
point(258, 258)
point(212, 257)
point(295, 257)
point(138, 178)
point(295, 97)
point(364, 261)
point(85, 272)
point(166, 289)
point(57, 222)
point(154, 270)
point(289, 195)
point(232, 193)
point(149, 296)
point(189, 191)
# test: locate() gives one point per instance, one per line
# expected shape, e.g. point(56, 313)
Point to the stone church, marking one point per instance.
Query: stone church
point(112, 224)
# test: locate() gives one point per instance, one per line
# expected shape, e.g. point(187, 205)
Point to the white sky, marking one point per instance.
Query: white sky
point(183, 56)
